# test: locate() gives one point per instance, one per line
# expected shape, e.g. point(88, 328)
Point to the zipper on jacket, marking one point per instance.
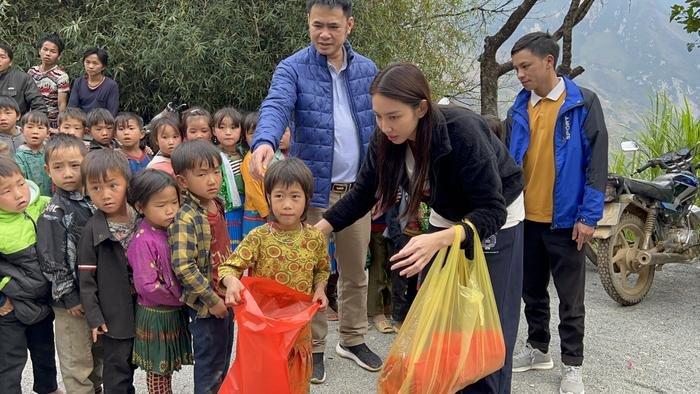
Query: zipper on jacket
point(556, 174)
point(26, 216)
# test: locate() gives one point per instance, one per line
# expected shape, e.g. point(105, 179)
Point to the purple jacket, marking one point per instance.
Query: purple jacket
point(149, 257)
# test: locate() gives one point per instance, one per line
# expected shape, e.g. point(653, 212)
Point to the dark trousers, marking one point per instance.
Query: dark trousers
point(212, 342)
point(403, 289)
point(504, 257)
point(553, 252)
point(118, 369)
point(15, 339)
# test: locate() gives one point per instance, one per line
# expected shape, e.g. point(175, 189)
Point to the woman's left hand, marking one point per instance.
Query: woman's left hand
point(419, 250)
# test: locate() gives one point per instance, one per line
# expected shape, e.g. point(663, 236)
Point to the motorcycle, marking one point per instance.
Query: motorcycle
point(171, 109)
point(647, 224)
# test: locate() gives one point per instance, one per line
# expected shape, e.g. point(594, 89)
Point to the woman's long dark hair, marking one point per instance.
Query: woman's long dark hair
point(405, 83)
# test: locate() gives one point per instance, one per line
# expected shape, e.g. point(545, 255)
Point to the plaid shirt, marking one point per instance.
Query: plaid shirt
point(190, 238)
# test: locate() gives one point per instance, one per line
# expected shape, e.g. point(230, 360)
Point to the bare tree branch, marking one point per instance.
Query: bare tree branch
point(511, 24)
point(491, 70)
point(576, 72)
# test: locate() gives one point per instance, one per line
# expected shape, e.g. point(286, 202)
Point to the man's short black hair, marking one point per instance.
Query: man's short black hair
point(52, 38)
point(102, 55)
point(190, 155)
point(539, 43)
point(346, 5)
point(9, 102)
point(60, 141)
point(7, 48)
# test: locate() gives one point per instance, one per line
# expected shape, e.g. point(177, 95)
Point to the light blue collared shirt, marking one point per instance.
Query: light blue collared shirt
point(346, 147)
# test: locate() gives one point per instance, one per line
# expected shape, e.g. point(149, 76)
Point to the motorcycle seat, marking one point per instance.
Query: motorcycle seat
point(661, 190)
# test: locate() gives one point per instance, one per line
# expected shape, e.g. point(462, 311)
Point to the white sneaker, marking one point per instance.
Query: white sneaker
point(531, 358)
point(571, 380)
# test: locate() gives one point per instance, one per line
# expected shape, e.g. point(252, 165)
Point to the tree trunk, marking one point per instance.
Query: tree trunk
point(489, 79)
point(491, 70)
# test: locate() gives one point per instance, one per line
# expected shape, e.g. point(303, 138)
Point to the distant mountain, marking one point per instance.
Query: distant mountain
point(629, 50)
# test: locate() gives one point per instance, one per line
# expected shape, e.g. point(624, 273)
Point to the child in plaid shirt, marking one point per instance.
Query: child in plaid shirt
point(199, 240)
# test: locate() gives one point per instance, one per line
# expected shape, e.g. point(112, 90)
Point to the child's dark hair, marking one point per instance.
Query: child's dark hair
point(193, 112)
point(286, 173)
point(7, 102)
point(159, 124)
point(8, 167)
point(100, 115)
point(227, 112)
point(35, 117)
point(221, 115)
point(8, 49)
point(98, 162)
point(61, 141)
point(192, 154)
point(53, 38)
point(147, 183)
point(539, 43)
point(72, 113)
point(495, 125)
point(250, 122)
point(102, 55)
point(123, 118)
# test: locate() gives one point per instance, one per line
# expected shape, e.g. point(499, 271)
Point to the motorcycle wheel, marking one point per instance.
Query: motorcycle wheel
point(627, 282)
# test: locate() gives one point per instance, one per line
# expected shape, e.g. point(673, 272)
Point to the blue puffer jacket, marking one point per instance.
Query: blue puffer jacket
point(580, 154)
point(302, 87)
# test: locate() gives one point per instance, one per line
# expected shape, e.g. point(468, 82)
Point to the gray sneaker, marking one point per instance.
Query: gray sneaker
point(531, 358)
point(571, 380)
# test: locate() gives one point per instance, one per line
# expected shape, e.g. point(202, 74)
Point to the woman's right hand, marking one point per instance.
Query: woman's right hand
point(419, 250)
point(324, 226)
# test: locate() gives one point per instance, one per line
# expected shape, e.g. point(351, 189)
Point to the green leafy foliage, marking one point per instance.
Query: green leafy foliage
point(689, 16)
point(218, 52)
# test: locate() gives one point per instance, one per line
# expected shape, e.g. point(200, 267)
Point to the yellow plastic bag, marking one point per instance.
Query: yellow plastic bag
point(452, 336)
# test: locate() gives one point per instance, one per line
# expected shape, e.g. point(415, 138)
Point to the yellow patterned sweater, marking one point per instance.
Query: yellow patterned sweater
point(296, 258)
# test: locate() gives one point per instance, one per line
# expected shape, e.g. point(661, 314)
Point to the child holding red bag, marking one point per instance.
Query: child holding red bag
point(286, 250)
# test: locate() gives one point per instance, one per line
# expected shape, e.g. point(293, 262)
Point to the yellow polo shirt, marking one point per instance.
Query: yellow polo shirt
point(538, 163)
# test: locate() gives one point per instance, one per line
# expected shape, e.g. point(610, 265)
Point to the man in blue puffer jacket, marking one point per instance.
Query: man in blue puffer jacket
point(557, 133)
point(325, 89)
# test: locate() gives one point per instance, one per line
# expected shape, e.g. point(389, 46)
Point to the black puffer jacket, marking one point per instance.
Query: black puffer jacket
point(21, 278)
point(28, 289)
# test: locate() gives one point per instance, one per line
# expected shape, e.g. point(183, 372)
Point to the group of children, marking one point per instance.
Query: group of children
point(132, 256)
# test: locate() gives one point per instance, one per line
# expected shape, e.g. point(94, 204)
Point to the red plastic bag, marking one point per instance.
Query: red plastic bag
point(269, 321)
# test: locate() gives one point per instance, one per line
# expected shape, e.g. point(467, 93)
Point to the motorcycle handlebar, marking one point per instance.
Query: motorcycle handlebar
point(644, 167)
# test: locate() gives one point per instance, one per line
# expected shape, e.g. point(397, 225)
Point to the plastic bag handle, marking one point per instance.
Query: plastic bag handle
point(475, 235)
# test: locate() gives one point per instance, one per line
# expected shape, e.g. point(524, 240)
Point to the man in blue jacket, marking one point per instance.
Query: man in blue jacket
point(557, 133)
point(324, 88)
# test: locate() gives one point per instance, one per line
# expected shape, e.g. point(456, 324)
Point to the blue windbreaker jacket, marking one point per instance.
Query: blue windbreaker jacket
point(580, 154)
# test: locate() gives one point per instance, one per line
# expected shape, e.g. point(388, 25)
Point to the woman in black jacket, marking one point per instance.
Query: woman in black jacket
point(438, 155)
point(447, 157)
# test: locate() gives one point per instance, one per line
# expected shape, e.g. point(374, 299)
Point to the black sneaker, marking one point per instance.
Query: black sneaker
point(319, 374)
point(361, 355)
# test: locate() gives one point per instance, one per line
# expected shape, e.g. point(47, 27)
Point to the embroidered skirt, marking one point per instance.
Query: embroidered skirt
point(162, 343)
